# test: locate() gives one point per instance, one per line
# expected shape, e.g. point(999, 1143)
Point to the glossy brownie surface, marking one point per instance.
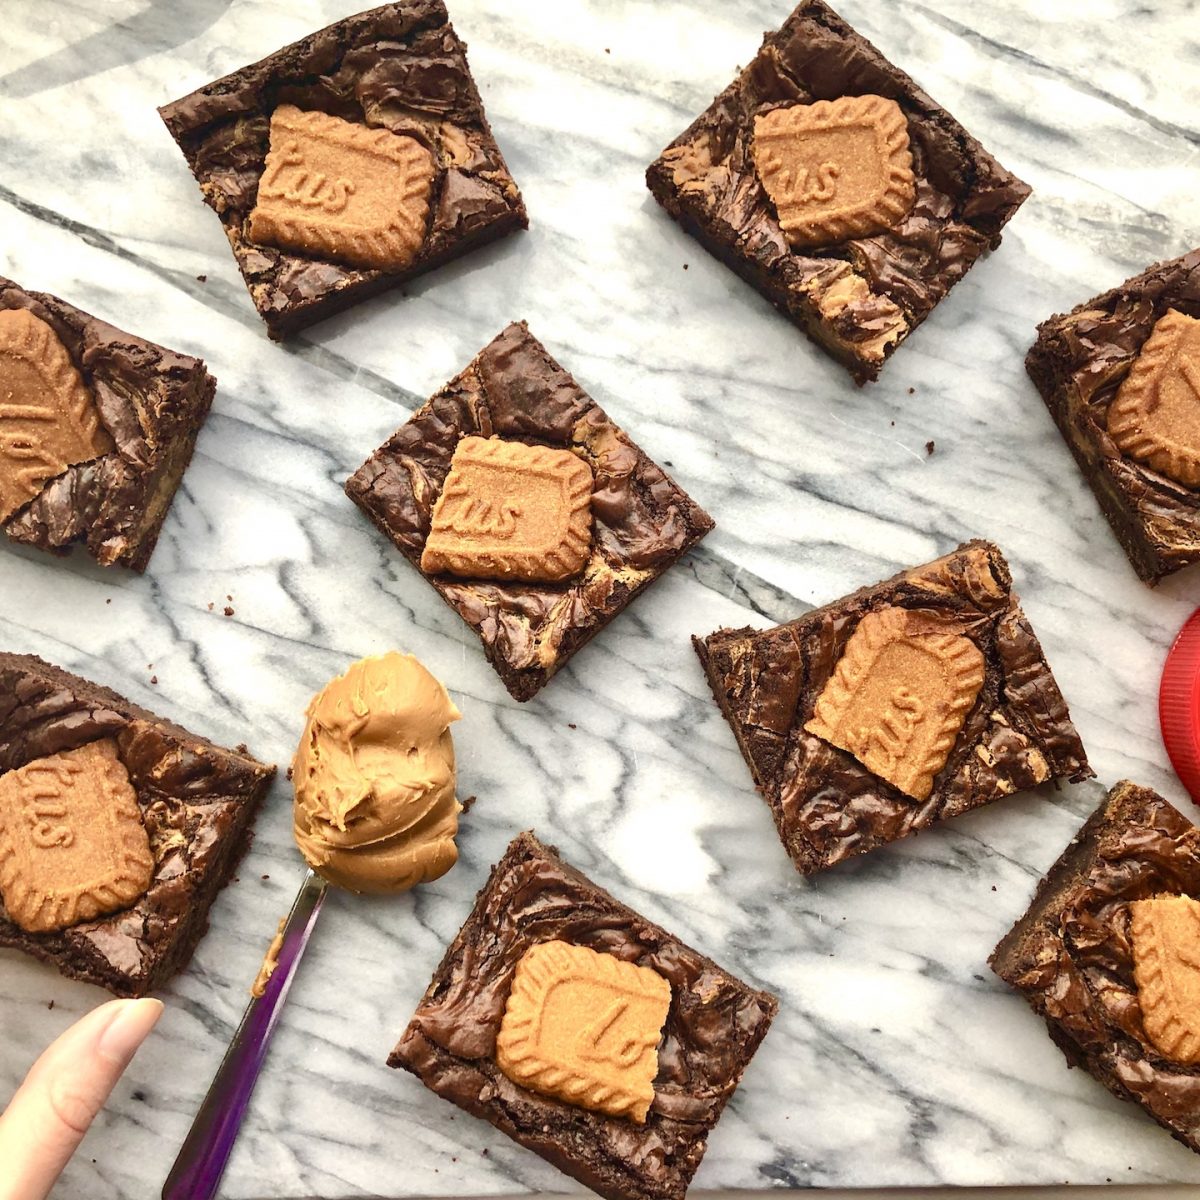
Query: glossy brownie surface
point(1079, 362)
point(152, 402)
point(196, 801)
point(828, 806)
point(713, 1028)
point(400, 67)
point(1071, 954)
point(642, 520)
point(859, 298)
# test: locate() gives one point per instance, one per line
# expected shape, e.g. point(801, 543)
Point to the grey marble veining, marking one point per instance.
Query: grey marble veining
point(897, 1058)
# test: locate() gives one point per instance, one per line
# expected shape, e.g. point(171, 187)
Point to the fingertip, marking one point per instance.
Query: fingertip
point(128, 1029)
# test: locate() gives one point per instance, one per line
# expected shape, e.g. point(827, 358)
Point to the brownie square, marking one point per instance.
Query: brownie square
point(860, 294)
point(1072, 954)
point(1079, 362)
point(399, 68)
point(828, 806)
point(642, 521)
point(146, 404)
point(713, 1026)
point(196, 801)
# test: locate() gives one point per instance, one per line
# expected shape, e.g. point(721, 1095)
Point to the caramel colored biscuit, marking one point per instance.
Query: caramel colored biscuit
point(836, 169)
point(344, 191)
point(584, 1027)
point(72, 842)
point(1155, 417)
point(1166, 969)
point(48, 419)
point(898, 698)
point(511, 511)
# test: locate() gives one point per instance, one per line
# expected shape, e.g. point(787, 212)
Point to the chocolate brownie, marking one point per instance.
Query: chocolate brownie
point(119, 898)
point(898, 706)
point(489, 1000)
point(97, 427)
point(1107, 955)
point(1102, 379)
point(503, 432)
point(383, 162)
point(827, 179)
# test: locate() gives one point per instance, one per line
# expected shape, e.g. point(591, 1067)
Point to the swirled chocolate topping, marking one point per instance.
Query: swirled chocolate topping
point(1073, 953)
point(374, 778)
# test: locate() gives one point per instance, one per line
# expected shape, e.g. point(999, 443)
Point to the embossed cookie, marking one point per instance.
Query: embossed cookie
point(1166, 967)
point(511, 511)
point(1156, 414)
point(346, 191)
point(48, 418)
point(835, 169)
point(898, 698)
point(72, 842)
point(584, 1027)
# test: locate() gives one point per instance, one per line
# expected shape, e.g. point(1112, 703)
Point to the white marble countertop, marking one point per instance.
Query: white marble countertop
point(897, 1058)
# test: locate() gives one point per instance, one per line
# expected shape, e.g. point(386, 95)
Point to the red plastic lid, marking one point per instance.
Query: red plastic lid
point(1179, 705)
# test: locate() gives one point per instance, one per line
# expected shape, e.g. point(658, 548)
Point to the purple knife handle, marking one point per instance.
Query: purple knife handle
point(201, 1161)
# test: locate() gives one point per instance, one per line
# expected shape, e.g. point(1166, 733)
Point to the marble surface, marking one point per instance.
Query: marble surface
point(897, 1059)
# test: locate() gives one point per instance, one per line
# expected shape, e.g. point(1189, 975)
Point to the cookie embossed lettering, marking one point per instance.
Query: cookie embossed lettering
point(48, 419)
point(898, 698)
point(1155, 417)
point(1165, 935)
point(72, 842)
point(511, 511)
point(836, 169)
point(349, 192)
point(584, 1027)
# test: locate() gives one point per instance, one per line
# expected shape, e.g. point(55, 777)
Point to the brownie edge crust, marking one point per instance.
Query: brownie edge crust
point(1070, 954)
point(714, 1025)
point(196, 801)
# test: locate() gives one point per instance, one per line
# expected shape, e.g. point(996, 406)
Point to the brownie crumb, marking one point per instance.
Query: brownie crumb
point(266, 877)
point(211, 606)
point(484, 1152)
point(289, 773)
point(929, 446)
point(606, 51)
point(571, 725)
point(202, 278)
point(50, 1006)
point(685, 266)
point(154, 680)
point(912, 391)
point(109, 600)
point(228, 611)
point(468, 804)
point(993, 887)
point(229, 598)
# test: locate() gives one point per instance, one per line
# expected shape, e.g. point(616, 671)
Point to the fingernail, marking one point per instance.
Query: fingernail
point(128, 1030)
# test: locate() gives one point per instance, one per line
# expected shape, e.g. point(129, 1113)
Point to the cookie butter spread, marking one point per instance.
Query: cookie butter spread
point(374, 777)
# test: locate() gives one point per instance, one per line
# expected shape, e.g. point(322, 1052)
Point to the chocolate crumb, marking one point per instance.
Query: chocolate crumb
point(202, 278)
point(50, 1005)
point(266, 877)
point(109, 600)
point(685, 266)
point(570, 725)
point(929, 446)
point(468, 803)
point(993, 887)
point(210, 606)
point(606, 51)
point(484, 1152)
point(289, 773)
point(228, 611)
point(154, 680)
point(912, 391)
point(229, 598)
point(892, 424)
